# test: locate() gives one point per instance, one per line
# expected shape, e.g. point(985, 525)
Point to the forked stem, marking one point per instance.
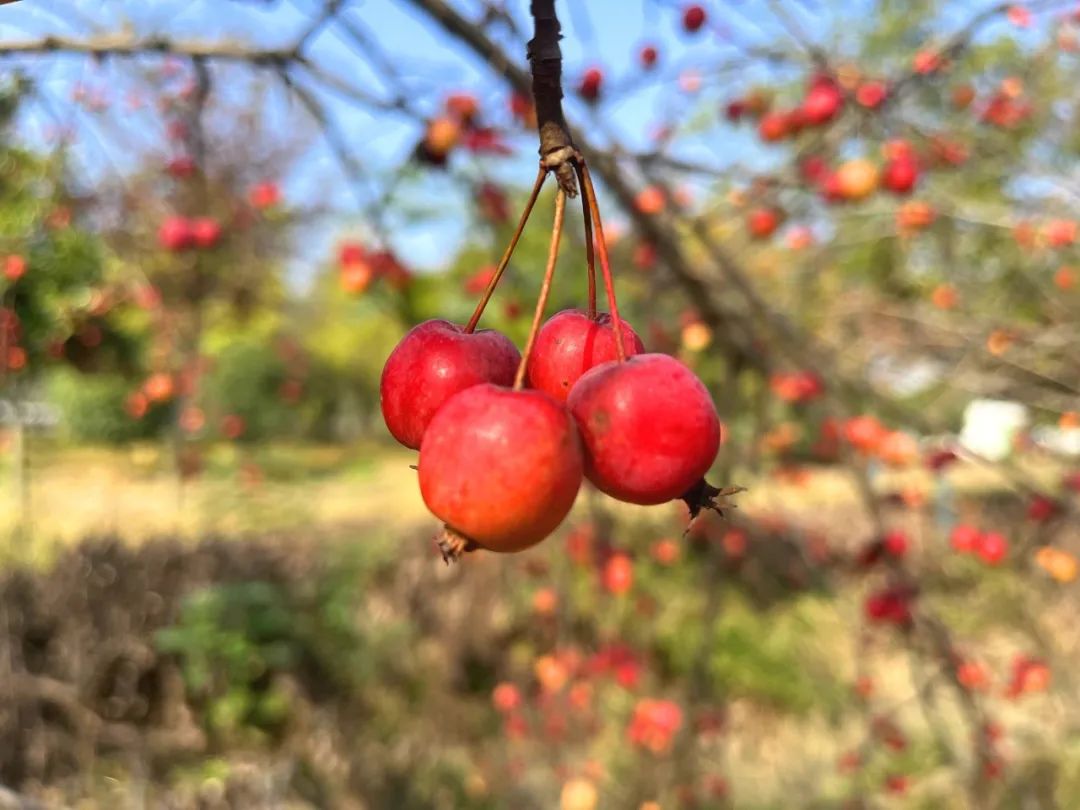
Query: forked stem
point(588, 192)
point(541, 175)
point(545, 287)
point(590, 247)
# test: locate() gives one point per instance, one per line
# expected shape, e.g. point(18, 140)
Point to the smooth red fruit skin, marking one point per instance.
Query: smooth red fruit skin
point(822, 103)
point(649, 427)
point(571, 343)
point(175, 234)
point(590, 84)
point(900, 175)
point(762, 222)
point(501, 467)
point(434, 361)
point(205, 231)
point(693, 18)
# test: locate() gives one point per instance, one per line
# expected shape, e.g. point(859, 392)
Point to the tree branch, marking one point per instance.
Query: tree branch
point(126, 45)
point(545, 60)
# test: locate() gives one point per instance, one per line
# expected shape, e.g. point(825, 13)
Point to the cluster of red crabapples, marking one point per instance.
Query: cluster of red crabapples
point(505, 439)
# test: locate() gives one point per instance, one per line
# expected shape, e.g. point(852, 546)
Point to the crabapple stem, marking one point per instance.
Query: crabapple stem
point(545, 287)
point(589, 192)
point(541, 175)
point(590, 246)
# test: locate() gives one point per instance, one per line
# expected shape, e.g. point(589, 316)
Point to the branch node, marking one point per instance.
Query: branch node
point(561, 162)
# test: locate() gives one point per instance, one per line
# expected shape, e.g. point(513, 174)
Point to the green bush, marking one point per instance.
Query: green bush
point(92, 409)
point(245, 381)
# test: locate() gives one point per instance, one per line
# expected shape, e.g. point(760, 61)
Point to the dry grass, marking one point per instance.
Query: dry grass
point(133, 493)
point(80, 492)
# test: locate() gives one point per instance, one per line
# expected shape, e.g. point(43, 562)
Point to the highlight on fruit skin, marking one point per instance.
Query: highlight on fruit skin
point(569, 344)
point(501, 468)
point(433, 362)
point(649, 428)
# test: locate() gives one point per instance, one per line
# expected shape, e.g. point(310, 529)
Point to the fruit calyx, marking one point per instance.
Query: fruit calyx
point(452, 544)
point(703, 495)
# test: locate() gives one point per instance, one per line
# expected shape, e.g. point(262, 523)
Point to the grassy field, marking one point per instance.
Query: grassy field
point(135, 493)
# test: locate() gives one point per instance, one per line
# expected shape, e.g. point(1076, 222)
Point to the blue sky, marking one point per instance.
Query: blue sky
point(608, 33)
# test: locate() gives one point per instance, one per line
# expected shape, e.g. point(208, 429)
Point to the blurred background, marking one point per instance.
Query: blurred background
point(856, 220)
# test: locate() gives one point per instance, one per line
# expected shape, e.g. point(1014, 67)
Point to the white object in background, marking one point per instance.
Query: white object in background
point(991, 426)
point(1065, 441)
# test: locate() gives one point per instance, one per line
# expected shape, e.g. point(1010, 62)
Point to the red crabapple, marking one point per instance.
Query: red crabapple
point(571, 343)
point(618, 574)
point(590, 84)
point(649, 427)
point(964, 538)
point(205, 232)
point(992, 548)
point(693, 18)
point(434, 361)
point(500, 467)
point(823, 101)
point(900, 174)
point(175, 234)
point(762, 222)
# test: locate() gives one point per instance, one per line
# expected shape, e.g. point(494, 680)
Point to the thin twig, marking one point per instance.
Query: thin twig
point(541, 175)
point(545, 287)
point(605, 267)
point(590, 246)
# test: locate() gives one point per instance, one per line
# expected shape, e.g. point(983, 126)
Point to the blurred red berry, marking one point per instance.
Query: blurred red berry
point(589, 88)
point(1019, 16)
point(964, 538)
point(181, 167)
point(205, 232)
point(972, 675)
point(864, 433)
point(895, 543)
point(1041, 509)
point(579, 545)
point(233, 426)
point(871, 94)
point(940, 459)
point(14, 267)
point(796, 386)
point(506, 697)
point(823, 102)
point(351, 253)
point(478, 281)
point(693, 18)
point(1028, 675)
point(927, 62)
point(264, 195)
point(890, 606)
point(992, 548)
point(616, 661)
point(618, 574)
point(654, 724)
point(666, 551)
point(897, 784)
point(175, 234)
